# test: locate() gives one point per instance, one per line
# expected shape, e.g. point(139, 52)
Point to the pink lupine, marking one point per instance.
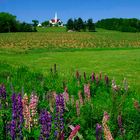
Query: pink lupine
point(26, 111)
point(87, 91)
point(107, 132)
point(97, 79)
point(33, 108)
point(74, 132)
point(106, 80)
point(77, 108)
point(80, 98)
point(114, 86)
point(66, 95)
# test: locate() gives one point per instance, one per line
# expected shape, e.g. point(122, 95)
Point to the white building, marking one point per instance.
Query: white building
point(55, 21)
point(39, 25)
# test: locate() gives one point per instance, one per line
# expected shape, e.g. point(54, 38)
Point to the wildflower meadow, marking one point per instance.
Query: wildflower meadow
point(83, 107)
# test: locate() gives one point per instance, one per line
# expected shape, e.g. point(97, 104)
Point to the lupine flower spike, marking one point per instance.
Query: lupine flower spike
point(107, 132)
point(33, 109)
point(59, 120)
point(74, 132)
point(98, 132)
point(77, 108)
point(93, 77)
point(106, 80)
point(87, 91)
point(17, 117)
point(80, 98)
point(120, 124)
point(26, 111)
point(45, 121)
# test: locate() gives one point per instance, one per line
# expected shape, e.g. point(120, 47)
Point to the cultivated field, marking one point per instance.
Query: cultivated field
point(62, 40)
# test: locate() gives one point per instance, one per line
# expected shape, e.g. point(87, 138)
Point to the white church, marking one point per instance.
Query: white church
point(55, 21)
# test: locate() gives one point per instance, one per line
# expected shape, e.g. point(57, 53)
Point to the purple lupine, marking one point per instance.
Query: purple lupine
point(120, 124)
point(14, 117)
point(13, 129)
point(45, 121)
point(20, 114)
point(2, 92)
point(93, 77)
point(59, 120)
point(106, 80)
point(98, 132)
point(17, 117)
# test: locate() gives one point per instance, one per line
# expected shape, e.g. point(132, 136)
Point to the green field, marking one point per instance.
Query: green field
point(114, 53)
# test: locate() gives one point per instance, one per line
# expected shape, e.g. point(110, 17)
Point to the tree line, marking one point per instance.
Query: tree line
point(9, 23)
point(80, 25)
point(120, 24)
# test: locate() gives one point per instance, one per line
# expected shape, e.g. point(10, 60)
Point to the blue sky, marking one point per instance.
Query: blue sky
point(26, 10)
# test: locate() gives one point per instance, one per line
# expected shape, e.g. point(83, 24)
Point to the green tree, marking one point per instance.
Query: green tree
point(8, 22)
point(70, 24)
point(80, 24)
point(45, 23)
point(35, 23)
point(120, 24)
point(90, 25)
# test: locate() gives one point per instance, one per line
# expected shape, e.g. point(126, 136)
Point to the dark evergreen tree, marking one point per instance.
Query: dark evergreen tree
point(70, 24)
point(90, 25)
point(80, 24)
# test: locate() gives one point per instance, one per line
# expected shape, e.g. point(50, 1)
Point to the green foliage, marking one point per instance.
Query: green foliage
point(45, 23)
point(70, 24)
point(103, 98)
point(124, 25)
point(80, 25)
point(8, 23)
point(90, 25)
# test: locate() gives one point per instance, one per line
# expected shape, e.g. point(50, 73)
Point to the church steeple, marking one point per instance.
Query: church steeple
point(55, 18)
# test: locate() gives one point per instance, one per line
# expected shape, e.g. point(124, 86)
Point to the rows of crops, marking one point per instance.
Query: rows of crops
point(78, 107)
point(60, 40)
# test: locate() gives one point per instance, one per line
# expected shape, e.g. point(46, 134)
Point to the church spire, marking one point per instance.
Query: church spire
point(55, 18)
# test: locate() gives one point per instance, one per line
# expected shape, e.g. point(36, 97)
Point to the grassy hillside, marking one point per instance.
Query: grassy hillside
point(115, 54)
